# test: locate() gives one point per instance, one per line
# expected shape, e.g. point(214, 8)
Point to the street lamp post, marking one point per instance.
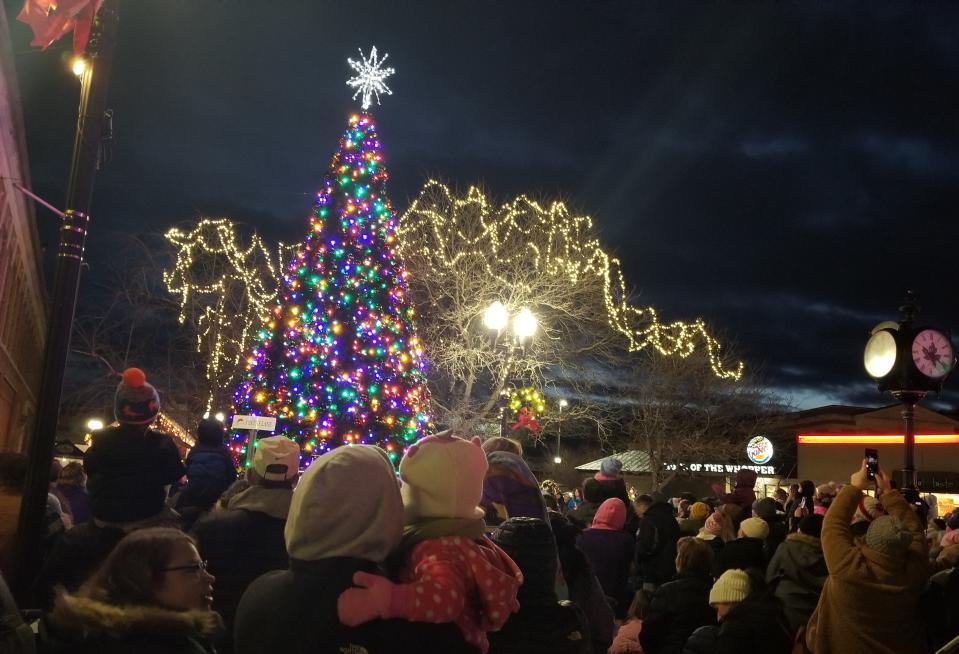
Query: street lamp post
point(94, 76)
point(520, 329)
point(909, 360)
point(559, 432)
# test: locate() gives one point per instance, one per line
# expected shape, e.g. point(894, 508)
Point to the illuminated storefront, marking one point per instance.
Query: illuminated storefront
point(832, 445)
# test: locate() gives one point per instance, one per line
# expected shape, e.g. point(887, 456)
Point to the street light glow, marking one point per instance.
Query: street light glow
point(495, 317)
point(557, 459)
point(78, 66)
point(94, 424)
point(220, 417)
point(524, 324)
point(563, 403)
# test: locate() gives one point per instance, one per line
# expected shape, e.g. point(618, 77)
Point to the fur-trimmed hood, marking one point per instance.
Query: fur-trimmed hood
point(88, 618)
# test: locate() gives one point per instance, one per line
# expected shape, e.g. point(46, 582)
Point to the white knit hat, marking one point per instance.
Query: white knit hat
point(755, 528)
point(443, 478)
point(732, 587)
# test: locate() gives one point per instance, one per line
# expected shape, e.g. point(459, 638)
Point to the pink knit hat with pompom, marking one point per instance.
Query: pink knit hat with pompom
point(714, 524)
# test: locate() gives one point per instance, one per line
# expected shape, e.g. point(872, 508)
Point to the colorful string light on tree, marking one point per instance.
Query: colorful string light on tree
point(339, 361)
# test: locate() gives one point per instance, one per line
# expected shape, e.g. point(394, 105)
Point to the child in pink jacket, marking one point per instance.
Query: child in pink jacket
point(627, 638)
point(451, 571)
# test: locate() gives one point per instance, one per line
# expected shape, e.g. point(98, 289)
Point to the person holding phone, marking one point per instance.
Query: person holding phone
point(803, 505)
point(870, 601)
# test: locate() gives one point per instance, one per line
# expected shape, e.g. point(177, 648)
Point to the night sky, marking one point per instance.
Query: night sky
point(783, 169)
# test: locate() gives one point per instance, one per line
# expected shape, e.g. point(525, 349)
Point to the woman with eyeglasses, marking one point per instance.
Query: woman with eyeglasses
point(152, 594)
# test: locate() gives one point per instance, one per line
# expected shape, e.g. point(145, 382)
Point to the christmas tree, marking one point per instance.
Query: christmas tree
point(339, 361)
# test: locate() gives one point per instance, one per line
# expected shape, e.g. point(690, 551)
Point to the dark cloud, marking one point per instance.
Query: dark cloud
point(785, 170)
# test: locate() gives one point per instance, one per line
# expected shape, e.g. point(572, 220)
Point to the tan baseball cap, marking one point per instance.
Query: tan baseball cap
point(276, 458)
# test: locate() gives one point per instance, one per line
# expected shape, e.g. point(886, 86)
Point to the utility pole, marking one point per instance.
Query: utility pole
point(73, 231)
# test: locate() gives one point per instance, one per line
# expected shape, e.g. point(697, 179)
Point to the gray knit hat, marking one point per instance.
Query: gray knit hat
point(610, 467)
point(888, 536)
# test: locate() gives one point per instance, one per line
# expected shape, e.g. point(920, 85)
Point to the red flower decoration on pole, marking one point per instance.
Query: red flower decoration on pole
point(52, 19)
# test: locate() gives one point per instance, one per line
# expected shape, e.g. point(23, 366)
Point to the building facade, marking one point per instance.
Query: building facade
point(831, 443)
point(23, 296)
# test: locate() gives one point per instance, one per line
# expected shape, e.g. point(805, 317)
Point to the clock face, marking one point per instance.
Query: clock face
point(932, 353)
point(880, 355)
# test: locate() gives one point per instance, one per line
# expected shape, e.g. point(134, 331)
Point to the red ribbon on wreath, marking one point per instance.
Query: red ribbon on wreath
point(526, 421)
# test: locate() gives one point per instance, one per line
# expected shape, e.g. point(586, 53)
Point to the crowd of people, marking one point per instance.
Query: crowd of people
point(463, 551)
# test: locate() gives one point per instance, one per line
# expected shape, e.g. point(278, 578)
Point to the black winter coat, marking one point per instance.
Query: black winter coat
point(558, 629)
point(797, 574)
point(543, 623)
point(584, 588)
point(238, 546)
point(702, 641)
point(940, 606)
point(741, 554)
point(656, 544)
point(293, 611)
point(128, 468)
point(777, 534)
point(582, 516)
point(677, 609)
point(755, 626)
point(74, 558)
point(610, 553)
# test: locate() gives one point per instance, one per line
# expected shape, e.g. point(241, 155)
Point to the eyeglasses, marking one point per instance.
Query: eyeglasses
point(195, 568)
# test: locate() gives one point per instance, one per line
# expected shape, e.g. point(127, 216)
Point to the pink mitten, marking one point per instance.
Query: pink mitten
point(376, 597)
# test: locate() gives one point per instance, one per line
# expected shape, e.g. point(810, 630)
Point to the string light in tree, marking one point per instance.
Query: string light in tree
point(556, 243)
point(226, 288)
point(370, 79)
point(339, 361)
point(173, 428)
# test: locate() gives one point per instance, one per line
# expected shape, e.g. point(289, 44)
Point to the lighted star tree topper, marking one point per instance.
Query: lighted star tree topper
point(339, 361)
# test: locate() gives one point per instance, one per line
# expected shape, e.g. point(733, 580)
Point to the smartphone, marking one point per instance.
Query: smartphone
point(872, 463)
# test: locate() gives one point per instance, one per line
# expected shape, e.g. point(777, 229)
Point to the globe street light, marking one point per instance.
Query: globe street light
point(94, 424)
point(219, 416)
point(495, 317)
point(524, 324)
point(78, 66)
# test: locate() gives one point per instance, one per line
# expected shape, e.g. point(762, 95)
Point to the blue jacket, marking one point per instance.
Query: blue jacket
point(209, 472)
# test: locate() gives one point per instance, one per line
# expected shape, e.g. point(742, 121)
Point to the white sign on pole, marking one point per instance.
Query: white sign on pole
point(261, 423)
